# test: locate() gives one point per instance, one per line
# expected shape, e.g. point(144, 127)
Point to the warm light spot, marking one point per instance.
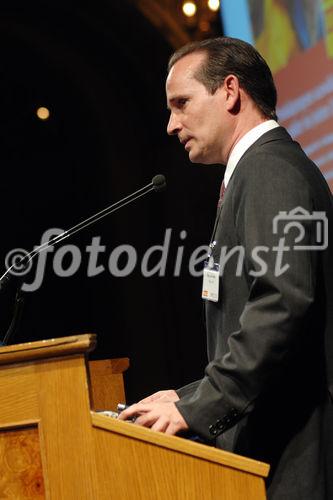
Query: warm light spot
point(214, 5)
point(43, 113)
point(189, 9)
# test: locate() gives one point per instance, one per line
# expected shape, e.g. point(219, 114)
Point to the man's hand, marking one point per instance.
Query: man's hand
point(158, 412)
point(168, 396)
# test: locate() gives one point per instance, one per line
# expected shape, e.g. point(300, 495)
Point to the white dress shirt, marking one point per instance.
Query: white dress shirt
point(243, 145)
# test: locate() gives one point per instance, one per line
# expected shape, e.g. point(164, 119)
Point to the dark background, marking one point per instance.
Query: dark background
point(100, 69)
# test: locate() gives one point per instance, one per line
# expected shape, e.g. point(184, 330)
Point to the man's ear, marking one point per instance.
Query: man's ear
point(232, 92)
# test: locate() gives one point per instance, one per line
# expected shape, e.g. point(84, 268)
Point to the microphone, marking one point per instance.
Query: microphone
point(158, 183)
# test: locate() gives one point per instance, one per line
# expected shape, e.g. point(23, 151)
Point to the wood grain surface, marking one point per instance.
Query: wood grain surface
point(21, 465)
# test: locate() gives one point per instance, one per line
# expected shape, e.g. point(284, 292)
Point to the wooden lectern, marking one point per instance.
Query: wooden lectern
point(52, 445)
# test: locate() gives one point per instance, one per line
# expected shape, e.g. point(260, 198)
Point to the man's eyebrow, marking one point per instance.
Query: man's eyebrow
point(175, 98)
point(170, 101)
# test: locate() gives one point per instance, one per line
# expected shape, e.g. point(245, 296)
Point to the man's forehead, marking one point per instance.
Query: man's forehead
point(187, 65)
point(183, 71)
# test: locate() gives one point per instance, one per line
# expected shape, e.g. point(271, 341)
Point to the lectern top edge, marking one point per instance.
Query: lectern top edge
point(181, 445)
point(40, 349)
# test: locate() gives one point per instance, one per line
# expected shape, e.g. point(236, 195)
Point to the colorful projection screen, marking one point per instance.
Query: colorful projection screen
point(296, 39)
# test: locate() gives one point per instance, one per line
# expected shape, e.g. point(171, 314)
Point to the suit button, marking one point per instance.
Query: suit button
point(213, 430)
point(219, 424)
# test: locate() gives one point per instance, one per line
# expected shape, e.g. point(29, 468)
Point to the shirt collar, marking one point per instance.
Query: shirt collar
point(243, 145)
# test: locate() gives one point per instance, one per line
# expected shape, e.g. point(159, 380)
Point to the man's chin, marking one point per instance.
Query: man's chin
point(199, 158)
point(194, 157)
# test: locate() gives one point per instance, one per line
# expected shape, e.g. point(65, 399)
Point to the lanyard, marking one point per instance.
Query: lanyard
point(212, 240)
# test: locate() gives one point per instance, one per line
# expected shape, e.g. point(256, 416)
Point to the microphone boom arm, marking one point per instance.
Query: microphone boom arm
point(158, 183)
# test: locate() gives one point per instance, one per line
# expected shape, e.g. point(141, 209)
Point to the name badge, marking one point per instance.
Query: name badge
point(211, 280)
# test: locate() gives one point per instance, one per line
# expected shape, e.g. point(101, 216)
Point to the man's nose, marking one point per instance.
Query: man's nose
point(173, 125)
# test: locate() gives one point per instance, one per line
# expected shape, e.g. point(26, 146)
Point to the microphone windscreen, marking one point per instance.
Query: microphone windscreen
point(159, 182)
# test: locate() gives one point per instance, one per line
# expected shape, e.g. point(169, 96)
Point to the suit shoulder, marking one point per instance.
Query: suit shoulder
point(264, 167)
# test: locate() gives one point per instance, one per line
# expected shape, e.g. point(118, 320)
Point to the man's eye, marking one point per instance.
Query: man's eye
point(181, 102)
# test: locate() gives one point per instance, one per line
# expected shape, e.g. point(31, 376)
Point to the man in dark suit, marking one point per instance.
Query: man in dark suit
point(267, 391)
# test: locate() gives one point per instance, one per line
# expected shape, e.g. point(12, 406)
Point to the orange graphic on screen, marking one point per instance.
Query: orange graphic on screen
point(296, 39)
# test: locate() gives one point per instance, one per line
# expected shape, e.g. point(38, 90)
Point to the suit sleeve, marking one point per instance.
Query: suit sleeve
point(188, 390)
point(278, 300)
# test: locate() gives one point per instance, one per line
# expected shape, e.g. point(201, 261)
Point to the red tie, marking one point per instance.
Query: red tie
point(222, 191)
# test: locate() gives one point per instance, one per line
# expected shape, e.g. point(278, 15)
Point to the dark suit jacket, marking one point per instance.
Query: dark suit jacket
point(265, 390)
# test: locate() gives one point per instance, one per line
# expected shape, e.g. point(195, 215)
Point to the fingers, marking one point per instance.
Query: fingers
point(159, 416)
point(147, 419)
point(160, 425)
point(145, 416)
point(130, 412)
point(170, 429)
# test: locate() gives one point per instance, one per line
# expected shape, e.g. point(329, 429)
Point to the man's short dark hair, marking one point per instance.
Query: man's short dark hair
point(230, 56)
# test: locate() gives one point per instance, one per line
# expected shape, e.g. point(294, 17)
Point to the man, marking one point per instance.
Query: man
point(267, 391)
